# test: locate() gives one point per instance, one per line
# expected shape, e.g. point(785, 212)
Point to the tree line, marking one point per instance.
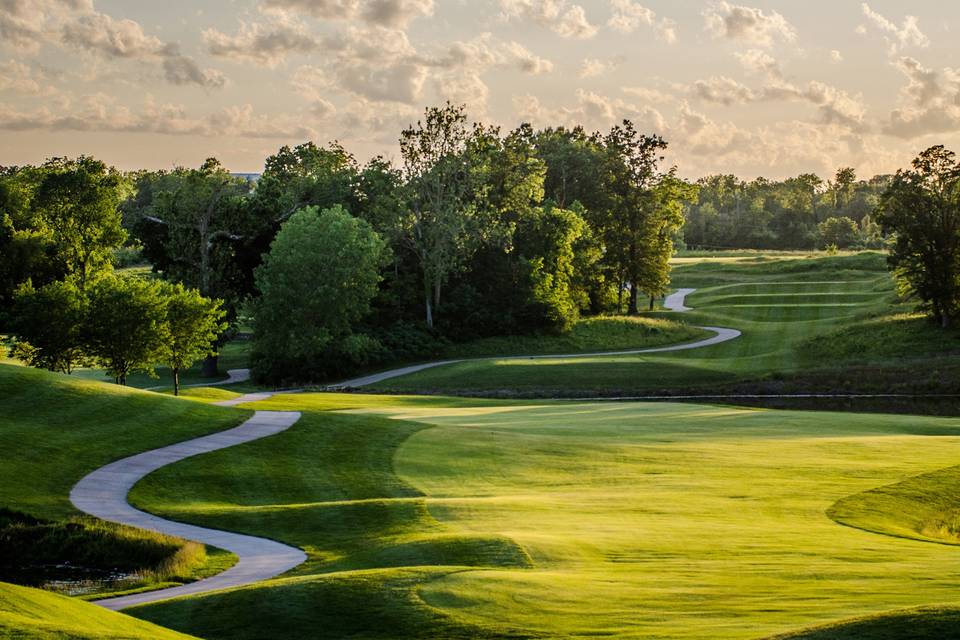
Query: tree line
point(474, 232)
point(804, 212)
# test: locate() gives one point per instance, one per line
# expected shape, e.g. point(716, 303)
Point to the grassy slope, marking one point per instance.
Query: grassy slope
point(31, 613)
point(560, 519)
point(796, 316)
point(59, 428)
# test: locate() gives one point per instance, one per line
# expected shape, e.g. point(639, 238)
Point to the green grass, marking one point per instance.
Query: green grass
point(32, 613)
point(920, 623)
point(805, 322)
point(438, 517)
point(605, 333)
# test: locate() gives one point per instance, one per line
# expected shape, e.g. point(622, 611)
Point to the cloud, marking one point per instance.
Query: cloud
point(722, 90)
point(394, 14)
point(568, 21)
point(628, 16)
point(267, 44)
point(592, 110)
point(933, 101)
point(99, 113)
point(747, 24)
point(836, 56)
point(759, 62)
point(17, 77)
point(897, 37)
point(26, 24)
point(834, 106)
point(102, 34)
point(654, 96)
point(181, 70)
point(591, 67)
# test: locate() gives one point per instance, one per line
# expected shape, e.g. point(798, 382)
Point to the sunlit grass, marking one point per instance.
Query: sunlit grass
point(32, 613)
point(561, 519)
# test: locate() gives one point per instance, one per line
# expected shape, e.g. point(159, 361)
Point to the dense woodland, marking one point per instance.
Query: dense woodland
point(342, 265)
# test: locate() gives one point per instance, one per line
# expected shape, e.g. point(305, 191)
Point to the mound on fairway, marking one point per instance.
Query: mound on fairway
point(32, 613)
point(459, 518)
point(925, 507)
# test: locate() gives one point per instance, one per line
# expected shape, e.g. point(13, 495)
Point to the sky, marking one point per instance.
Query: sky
point(769, 88)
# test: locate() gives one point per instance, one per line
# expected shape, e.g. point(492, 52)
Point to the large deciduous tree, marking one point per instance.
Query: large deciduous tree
point(922, 207)
point(77, 201)
point(315, 284)
point(441, 223)
point(197, 228)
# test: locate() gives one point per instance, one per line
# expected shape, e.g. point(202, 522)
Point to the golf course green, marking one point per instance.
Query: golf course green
point(436, 516)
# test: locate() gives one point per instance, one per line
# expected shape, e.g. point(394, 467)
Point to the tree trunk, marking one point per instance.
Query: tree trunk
point(428, 305)
point(176, 381)
point(210, 367)
point(123, 379)
point(652, 299)
point(633, 309)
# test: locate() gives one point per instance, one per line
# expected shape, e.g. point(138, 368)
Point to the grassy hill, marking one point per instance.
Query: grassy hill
point(449, 518)
point(32, 613)
point(59, 428)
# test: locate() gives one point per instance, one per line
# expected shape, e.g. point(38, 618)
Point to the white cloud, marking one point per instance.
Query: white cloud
point(897, 37)
point(628, 16)
point(568, 21)
point(932, 101)
point(267, 43)
point(99, 113)
point(759, 62)
point(747, 24)
point(394, 14)
point(17, 77)
point(836, 56)
point(591, 67)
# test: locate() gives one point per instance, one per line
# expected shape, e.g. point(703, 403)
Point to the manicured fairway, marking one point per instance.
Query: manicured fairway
point(789, 310)
point(461, 518)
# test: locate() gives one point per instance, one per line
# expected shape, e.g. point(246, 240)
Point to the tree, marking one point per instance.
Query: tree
point(126, 325)
point(843, 185)
point(922, 207)
point(196, 228)
point(48, 324)
point(631, 235)
point(437, 169)
point(193, 325)
point(671, 194)
point(77, 200)
point(840, 232)
point(317, 281)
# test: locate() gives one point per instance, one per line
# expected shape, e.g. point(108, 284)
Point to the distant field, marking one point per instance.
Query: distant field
point(815, 320)
point(433, 517)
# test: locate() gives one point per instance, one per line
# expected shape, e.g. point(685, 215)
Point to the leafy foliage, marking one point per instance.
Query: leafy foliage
point(922, 206)
point(318, 279)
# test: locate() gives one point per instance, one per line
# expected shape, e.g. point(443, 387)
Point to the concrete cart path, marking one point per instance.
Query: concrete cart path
point(103, 494)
